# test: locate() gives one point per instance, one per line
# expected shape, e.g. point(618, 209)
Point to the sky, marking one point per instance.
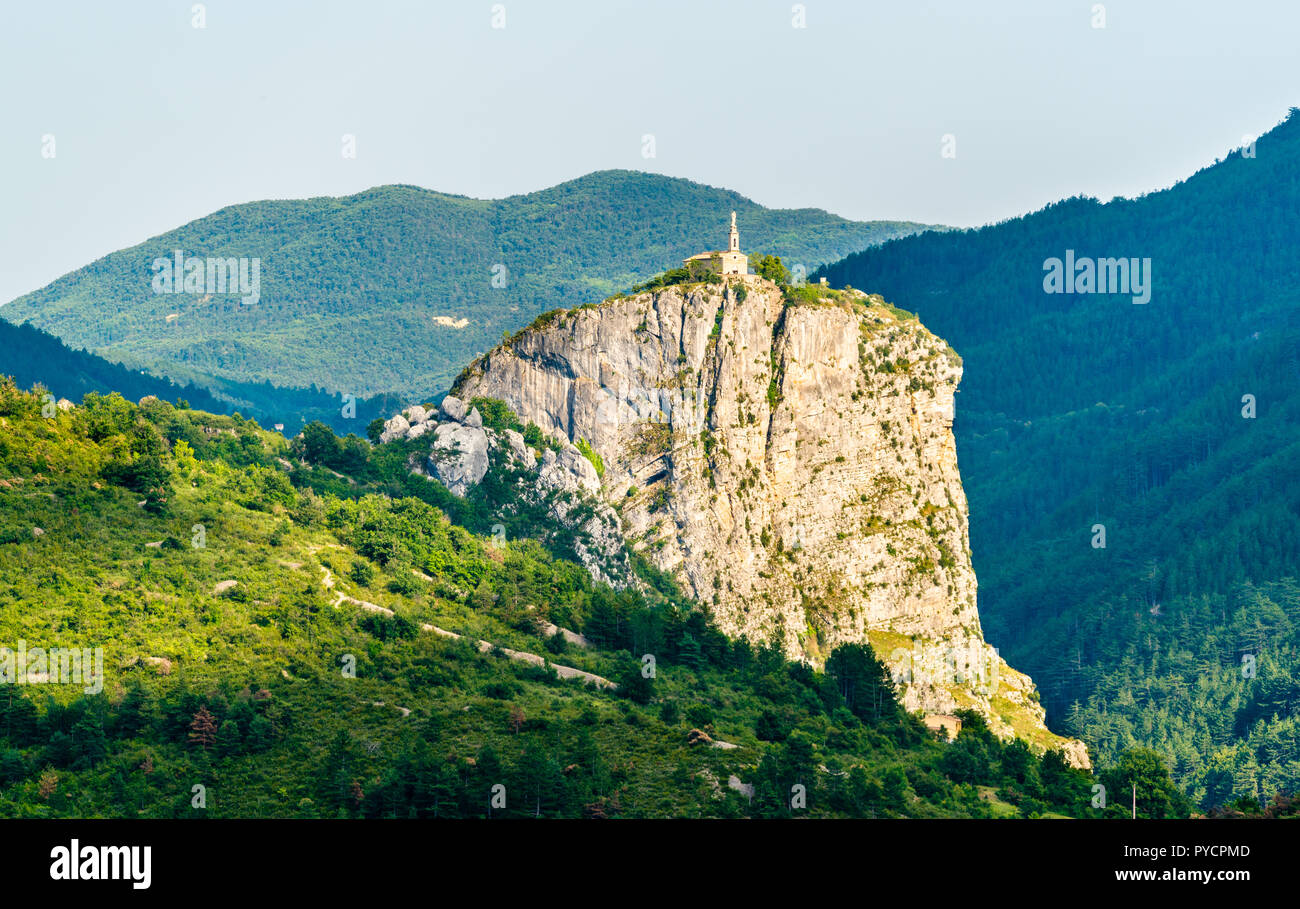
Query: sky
point(121, 121)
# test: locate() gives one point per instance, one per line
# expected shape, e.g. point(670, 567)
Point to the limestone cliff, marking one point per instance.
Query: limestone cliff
point(790, 460)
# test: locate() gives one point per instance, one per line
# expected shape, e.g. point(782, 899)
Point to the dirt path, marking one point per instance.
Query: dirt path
point(564, 672)
point(340, 597)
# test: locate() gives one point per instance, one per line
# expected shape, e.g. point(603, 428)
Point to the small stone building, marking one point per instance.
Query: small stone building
point(947, 722)
point(729, 261)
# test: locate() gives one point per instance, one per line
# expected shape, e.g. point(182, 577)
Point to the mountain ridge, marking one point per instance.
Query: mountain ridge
point(395, 269)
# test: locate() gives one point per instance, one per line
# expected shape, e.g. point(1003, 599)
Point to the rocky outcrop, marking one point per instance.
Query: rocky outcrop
point(564, 480)
point(791, 462)
point(793, 465)
point(570, 483)
point(460, 455)
point(395, 428)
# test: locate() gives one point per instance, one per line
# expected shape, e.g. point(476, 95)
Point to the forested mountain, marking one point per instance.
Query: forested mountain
point(279, 621)
point(1174, 424)
point(31, 356)
point(395, 289)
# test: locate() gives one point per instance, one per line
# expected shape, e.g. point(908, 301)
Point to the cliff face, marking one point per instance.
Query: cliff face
point(793, 466)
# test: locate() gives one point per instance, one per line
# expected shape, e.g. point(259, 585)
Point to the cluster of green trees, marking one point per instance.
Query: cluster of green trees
point(33, 357)
point(1133, 471)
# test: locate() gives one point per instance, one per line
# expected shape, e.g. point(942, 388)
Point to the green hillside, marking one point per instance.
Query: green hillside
point(366, 294)
point(1079, 410)
point(34, 357)
point(31, 356)
point(268, 620)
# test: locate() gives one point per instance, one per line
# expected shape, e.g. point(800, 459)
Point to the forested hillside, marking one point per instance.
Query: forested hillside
point(395, 289)
point(276, 632)
point(31, 356)
point(1173, 424)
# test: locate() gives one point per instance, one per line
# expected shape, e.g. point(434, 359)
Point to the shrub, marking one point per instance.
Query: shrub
point(590, 454)
point(362, 573)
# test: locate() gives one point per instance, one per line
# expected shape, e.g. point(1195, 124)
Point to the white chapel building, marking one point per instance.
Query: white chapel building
point(729, 261)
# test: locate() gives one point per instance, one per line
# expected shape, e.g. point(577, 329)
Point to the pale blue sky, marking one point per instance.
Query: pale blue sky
point(157, 123)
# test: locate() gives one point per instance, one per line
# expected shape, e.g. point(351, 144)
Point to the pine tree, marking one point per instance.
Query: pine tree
point(203, 729)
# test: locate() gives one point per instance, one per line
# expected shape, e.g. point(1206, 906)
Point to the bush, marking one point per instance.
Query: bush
point(405, 583)
point(362, 573)
point(770, 267)
point(496, 415)
point(590, 454)
point(557, 643)
point(699, 715)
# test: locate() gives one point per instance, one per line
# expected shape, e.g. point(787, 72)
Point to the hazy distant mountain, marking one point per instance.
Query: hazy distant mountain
point(393, 289)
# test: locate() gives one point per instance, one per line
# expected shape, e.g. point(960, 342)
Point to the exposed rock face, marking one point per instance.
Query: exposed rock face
point(396, 428)
point(569, 471)
point(566, 482)
point(519, 448)
point(831, 505)
point(453, 409)
point(460, 456)
point(792, 465)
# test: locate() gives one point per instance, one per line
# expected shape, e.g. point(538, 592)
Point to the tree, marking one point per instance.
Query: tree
point(134, 711)
point(557, 643)
point(49, 781)
point(18, 718)
point(1156, 794)
point(90, 742)
point(260, 734)
point(864, 682)
point(12, 766)
point(690, 653)
point(229, 739)
point(483, 597)
point(540, 779)
point(770, 267)
point(965, 761)
point(895, 788)
point(634, 684)
point(771, 727)
point(317, 444)
point(602, 626)
point(203, 729)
